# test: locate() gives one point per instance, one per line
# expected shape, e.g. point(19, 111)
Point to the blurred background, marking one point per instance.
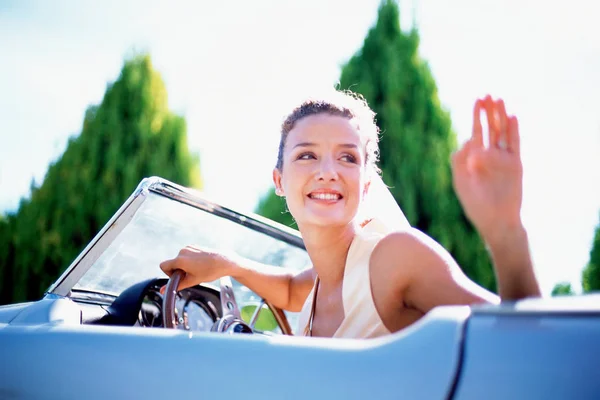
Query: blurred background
point(96, 96)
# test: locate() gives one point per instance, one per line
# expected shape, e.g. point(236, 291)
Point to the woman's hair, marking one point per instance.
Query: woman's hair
point(338, 103)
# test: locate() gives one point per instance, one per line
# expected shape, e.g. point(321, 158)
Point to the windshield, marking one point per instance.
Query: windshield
point(163, 226)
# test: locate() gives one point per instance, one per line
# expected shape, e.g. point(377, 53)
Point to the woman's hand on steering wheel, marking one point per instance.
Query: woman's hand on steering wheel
point(199, 265)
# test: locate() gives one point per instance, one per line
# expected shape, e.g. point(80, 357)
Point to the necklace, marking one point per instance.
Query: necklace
point(311, 317)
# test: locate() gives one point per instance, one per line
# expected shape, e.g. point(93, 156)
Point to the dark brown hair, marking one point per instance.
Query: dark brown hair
point(338, 103)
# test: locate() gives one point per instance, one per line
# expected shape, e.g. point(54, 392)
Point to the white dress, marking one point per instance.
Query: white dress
point(361, 319)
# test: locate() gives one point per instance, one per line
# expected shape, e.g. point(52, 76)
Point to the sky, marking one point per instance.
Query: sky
point(234, 69)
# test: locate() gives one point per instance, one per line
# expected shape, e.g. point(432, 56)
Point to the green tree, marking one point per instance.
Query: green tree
point(6, 257)
point(591, 273)
point(273, 207)
point(417, 140)
point(129, 136)
point(562, 289)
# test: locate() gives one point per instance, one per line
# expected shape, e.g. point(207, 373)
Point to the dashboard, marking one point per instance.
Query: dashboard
point(196, 309)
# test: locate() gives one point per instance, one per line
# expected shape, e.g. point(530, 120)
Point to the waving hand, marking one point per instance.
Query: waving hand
point(489, 178)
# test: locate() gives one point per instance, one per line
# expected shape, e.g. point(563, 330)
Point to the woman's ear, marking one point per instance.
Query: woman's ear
point(277, 182)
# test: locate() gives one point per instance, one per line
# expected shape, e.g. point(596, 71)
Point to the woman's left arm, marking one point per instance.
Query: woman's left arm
point(488, 179)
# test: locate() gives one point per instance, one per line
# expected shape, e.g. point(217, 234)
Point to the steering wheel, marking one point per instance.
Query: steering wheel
point(231, 322)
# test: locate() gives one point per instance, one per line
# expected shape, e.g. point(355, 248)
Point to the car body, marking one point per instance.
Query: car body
point(96, 333)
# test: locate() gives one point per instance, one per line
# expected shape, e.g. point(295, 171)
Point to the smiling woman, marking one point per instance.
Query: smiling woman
point(329, 143)
point(367, 280)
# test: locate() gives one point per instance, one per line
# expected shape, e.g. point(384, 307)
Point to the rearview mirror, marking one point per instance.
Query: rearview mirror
point(266, 320)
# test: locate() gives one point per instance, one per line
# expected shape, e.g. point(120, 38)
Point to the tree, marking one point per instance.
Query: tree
point(562, 289)
point(6, 257)
point(273, 207)
point(591, 273)
point(417, 140)
point(129, 136)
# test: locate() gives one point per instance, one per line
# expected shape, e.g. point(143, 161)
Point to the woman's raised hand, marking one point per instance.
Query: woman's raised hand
point(488, 179)
point(199, 265)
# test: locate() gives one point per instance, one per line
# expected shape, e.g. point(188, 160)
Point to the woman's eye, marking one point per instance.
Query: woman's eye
point(349, 158)
point(306, 156)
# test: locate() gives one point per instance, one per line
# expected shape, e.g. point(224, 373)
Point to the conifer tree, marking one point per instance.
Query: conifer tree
point(417, 140)
point(129, 136)
point(591, 273)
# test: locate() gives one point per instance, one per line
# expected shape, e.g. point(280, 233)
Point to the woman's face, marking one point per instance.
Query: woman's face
point(323, 174)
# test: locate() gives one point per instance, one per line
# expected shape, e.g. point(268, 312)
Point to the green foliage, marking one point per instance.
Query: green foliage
point(591, 273)
point(6, 258)
point(266, 320)
point(273, 207)
point(417, 140)
point(129, 136)
point(562, 289)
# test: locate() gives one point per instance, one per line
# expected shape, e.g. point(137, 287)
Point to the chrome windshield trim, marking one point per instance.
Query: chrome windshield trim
point(124, 215)
point(100, 242)
point(53, 296)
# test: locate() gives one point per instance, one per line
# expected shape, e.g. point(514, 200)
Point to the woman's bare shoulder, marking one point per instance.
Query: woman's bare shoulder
point(421, 273)
point(407, 244)
point(402, 254)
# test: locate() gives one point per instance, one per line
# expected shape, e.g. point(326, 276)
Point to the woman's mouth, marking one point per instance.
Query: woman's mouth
point(325, 196)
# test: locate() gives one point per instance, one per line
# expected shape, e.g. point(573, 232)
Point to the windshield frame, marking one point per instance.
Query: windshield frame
point(162, 187)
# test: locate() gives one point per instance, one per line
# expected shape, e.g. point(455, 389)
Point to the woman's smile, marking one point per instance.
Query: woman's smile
point(325, 196)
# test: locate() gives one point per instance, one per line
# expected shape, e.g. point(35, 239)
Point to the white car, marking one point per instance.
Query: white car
point(104, 331)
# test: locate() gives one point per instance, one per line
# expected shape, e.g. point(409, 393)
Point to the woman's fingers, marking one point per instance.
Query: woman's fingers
point(183, 284)
point(502, 141)
point(493, 128)
point(169, 266)
point(514, 140)
point(503, 131)
point(186, 282)
point(477, 134)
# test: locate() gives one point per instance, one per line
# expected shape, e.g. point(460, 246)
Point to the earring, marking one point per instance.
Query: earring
point(279, 192)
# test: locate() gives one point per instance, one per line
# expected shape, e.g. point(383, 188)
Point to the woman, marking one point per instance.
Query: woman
point(369, 277)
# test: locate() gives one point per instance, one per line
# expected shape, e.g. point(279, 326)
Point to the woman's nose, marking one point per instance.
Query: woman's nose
point(327, 170)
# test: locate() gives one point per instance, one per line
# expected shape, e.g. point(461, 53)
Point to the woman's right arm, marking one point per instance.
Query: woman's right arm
point(282, 288)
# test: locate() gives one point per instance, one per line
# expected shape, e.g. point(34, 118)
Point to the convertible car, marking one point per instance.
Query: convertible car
point(103, 330)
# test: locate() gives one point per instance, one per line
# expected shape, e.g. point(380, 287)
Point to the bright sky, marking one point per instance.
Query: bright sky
point(234, 68)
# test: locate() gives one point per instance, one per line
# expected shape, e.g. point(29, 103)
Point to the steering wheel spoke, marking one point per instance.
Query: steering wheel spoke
point(256, 313)
point(228, 302)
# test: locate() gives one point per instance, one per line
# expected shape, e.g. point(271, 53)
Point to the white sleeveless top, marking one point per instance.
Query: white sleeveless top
point(361, 319)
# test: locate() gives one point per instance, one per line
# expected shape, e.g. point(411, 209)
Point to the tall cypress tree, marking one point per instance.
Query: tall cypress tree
point(7, 249)
point(591, 273)
point(417, 140)
point(416, 144)
point(129, 136)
